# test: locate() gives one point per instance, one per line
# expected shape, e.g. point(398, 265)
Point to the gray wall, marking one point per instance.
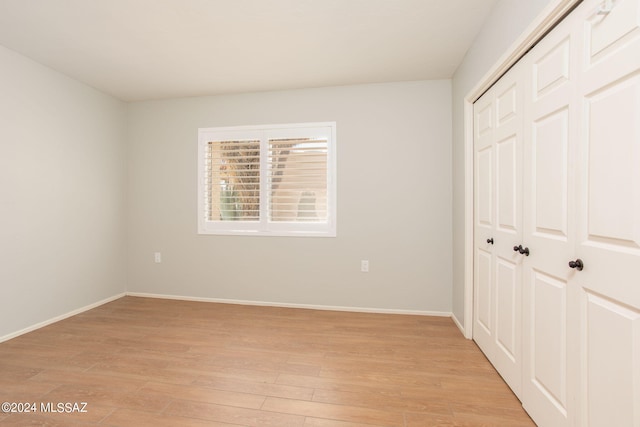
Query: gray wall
point(506, 22)
point(62, 177)
point(394, 201)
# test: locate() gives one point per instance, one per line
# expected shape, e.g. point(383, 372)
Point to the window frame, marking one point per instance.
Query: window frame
point(265, 227)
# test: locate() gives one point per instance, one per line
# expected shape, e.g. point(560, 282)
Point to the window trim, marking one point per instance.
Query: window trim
point(264, 227)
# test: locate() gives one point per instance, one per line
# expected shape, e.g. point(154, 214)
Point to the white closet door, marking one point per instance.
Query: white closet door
point(576, 155)
point(498, 151)
point(609, 201)
point(484, 223)
point(508, 228)
point(549, 302)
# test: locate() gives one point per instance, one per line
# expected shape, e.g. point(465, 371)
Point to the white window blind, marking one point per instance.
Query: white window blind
point(298, 179)
point(267, 180)
point(233, 181)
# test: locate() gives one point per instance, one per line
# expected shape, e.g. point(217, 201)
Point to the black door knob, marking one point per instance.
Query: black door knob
point(523, 251)
point(490, 241)
point(577, 264)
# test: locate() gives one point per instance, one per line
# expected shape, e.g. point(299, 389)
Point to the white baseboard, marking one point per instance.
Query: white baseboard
point(59, 318)
point(288, 305)
point(230, 301)
point(459, 325)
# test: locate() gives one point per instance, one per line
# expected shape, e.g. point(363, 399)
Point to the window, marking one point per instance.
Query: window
point(276, 180)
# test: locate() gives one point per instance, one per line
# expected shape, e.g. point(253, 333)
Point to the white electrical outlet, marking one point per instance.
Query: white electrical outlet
point(364, 266)
point(157, 257)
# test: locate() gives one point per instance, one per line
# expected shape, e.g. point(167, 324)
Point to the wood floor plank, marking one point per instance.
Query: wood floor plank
point(501, 410)
point(233, 415)
point(463, 420)
point(324, 422)
point(356, 381)
point(23, 391)
point(144, 361)
point(39, 420)
point(332, 411)
point(430, 420)
point(239, 374)
point(204, 394)
point(15, 373)
point(263, 388)
point(393, 402)
point(127, 417)
point(57, 377)
point(143, 368)
point(99, 396)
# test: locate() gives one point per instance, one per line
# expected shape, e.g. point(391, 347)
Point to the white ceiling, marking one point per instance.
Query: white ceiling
point(150, 49)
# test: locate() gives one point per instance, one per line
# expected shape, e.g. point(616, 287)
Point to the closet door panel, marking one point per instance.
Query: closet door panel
point(508, 358)
point(550, 176)
point(484, 182)
point(613, 165)
point(612, 368)
point(608, 240)
point(508, 227)
point(551, 70)
point(483, 297)
point(609, 31)
point(498, 217)
point(549, 229)
point(484, 224)
point(507, 311)
point(507, 106)
point(507, 193)
point(549, 368)
point(483, 118)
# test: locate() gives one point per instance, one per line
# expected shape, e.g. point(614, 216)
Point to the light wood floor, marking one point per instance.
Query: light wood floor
point(151, 362)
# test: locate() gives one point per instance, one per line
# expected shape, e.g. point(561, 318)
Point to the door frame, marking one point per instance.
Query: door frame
point(553, 13)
